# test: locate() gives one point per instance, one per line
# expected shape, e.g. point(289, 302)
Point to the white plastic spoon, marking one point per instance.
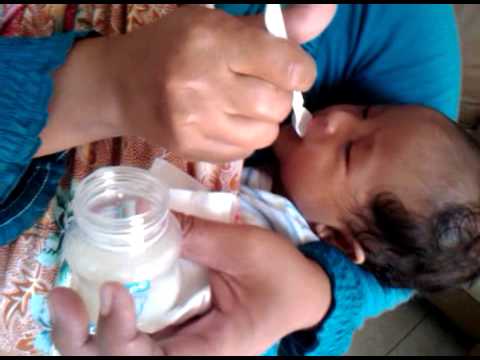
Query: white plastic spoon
point(276, 26)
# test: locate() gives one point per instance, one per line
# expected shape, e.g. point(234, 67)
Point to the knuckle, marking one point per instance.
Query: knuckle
point(283, 107)
point(273, 104)
point(246, 154)
point(261, 105)
point(268, 135)
point(273, 134)
point(205, 32)
point(251, 143)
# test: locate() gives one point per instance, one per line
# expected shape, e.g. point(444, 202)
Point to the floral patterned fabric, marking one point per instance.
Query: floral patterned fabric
point(29, 266)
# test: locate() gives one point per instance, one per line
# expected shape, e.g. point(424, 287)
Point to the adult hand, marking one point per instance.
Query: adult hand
point(204, 84)
point(263, 289)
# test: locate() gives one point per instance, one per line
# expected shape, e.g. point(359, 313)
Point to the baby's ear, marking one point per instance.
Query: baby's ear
point(358, 255)
point(345, 243)
point(304, 22)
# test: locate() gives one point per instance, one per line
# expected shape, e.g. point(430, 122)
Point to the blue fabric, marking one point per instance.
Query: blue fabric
point(26, 185)
point(372, 54)
point(357, 296)
point(378, 54)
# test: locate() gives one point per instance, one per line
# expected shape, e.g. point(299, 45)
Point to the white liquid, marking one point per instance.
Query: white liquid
point(92, 266)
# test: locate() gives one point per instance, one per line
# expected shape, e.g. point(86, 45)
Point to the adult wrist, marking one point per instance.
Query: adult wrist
point(85, 105)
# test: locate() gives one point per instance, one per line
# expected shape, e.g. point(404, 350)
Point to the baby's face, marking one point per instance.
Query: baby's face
point(350, 153)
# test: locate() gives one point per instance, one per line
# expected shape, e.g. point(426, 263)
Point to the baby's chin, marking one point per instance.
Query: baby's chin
point(286, 141)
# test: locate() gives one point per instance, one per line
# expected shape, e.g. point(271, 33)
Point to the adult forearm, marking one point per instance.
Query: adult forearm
point(84, 106)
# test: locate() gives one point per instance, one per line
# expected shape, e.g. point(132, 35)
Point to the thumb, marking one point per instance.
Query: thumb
point(116, 326)
point(304, 22)
point(69, 323)
point(222, 247)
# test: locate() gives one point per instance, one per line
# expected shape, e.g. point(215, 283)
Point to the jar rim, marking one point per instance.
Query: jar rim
point(131, 232)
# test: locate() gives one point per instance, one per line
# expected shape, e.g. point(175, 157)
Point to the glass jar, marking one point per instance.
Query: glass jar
point(123, 231)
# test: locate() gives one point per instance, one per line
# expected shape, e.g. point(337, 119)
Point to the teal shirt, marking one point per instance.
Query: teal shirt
point(377, 54)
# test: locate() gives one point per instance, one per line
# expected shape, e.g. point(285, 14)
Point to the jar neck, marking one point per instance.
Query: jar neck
point(121, 208)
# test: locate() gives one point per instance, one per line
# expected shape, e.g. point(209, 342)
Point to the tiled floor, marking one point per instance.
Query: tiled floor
point(412, 329)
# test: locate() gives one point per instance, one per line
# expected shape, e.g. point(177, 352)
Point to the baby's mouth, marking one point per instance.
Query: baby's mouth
point(287, 122)
point(320, 119)
point(286, 140)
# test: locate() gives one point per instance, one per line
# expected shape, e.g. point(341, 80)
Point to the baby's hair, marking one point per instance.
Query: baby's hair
point(429, 254)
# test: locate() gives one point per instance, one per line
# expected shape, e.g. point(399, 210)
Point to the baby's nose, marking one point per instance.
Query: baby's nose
point(340, 120)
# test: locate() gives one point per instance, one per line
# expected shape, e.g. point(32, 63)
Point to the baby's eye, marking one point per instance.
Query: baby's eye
point(365, 112)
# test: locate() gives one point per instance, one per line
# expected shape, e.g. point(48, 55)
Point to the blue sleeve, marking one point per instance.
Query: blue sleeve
point(26, 185)
point(393, 54)
point(357, 296)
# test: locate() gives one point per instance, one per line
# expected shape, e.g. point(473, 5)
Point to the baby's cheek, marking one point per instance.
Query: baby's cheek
point(297, 186)
point(291, 180)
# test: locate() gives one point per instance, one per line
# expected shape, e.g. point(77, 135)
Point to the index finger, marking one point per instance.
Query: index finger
point(280, 62)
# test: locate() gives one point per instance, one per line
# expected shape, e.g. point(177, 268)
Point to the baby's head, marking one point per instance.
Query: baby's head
point(395, 187)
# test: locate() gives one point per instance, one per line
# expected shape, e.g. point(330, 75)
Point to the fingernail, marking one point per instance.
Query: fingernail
point(105, 300)
point(51, 310)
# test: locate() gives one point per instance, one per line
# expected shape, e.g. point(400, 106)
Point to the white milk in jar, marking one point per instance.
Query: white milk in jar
point(123, 231)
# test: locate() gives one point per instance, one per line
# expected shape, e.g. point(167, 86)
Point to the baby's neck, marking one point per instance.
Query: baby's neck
point(266, 161)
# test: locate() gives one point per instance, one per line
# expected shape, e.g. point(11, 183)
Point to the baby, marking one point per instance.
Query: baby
point(389, 191)
point(399, 195)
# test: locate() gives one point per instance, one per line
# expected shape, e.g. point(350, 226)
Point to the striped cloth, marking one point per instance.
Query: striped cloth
point(259, 206)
